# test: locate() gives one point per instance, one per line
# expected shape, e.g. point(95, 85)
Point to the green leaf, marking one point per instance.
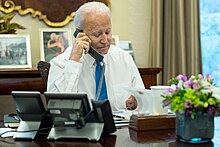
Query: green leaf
point(15, 26)
point(6, 27)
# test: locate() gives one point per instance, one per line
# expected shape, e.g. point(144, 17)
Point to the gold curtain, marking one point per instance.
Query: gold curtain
point(175, 38)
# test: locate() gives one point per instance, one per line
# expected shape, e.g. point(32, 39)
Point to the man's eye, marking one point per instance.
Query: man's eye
point(107, 33)
point(97, 34)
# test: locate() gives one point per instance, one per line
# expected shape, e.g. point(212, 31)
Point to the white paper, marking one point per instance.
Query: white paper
point(8, 134)
point(123, 114)
point(121, 118)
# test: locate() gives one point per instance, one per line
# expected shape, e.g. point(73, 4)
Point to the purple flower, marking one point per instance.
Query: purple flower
point(201, 77)
point(182, 77)
point(198, 94)
point(188, 84)
point(166, 103)
point(170, 90)
point(188, 112)
point(188, 104)
point(211, 110)
point(196, 86)
point(209, 78)
point(177, 88)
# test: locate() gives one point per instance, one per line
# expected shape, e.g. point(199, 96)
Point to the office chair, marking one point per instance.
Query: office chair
point(43, 67)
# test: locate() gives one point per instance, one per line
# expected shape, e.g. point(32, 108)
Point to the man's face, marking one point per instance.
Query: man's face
point(98, 29)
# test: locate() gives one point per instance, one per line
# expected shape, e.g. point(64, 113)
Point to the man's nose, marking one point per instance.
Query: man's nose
point(104, 38)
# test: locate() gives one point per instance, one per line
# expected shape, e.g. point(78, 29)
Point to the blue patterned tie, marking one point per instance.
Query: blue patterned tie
point(101, 91)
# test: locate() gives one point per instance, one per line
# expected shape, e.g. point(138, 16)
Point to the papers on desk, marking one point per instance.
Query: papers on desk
point(122, 118)
point(123, 114)
point(10, 132)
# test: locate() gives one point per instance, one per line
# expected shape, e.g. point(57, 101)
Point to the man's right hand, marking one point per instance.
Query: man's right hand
point(81, 43)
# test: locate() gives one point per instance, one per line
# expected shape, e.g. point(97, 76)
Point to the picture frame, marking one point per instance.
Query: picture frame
point(115, 40)
point(54, 41)
point(15, 51)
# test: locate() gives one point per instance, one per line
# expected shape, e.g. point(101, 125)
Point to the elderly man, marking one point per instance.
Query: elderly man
point(75, 70)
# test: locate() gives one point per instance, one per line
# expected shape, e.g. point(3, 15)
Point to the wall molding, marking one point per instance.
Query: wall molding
point(55, 13)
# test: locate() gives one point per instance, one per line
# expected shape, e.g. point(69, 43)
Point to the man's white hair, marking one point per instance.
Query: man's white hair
point(90, 7)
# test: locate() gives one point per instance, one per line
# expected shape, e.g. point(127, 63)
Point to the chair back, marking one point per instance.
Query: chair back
point(43, 68)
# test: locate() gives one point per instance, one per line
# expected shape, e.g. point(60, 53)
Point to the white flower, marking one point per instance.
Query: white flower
point(216, 92)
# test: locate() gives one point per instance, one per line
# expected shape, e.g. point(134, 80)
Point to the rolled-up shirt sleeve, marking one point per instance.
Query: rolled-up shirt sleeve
point(63, 76)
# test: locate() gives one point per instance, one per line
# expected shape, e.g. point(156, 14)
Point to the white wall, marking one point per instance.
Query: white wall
point(130, 20)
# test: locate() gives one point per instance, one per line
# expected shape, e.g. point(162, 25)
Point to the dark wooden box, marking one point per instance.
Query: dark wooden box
point(142, 122)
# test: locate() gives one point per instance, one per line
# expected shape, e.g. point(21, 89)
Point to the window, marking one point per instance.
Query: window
point(210, 38)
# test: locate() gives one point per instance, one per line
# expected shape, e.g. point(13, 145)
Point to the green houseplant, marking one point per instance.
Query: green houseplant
point(8, 27)
point(196, 101)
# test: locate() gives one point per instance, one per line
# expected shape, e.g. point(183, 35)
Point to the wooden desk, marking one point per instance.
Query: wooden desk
point(30, 79)
point(123, 137)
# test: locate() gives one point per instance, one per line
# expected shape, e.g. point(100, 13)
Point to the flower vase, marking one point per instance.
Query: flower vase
point(199, 129)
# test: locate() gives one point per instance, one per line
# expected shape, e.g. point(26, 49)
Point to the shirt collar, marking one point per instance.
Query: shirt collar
point(89, 60)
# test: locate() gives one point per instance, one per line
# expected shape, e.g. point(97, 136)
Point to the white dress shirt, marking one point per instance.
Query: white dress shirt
point(70, 76)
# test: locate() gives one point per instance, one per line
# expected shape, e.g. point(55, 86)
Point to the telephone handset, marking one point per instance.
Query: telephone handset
point(92, 51)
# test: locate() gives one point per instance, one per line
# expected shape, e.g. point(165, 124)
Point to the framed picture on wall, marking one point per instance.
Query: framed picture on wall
point(115, 40)
point(54, 42)
point(15, 51)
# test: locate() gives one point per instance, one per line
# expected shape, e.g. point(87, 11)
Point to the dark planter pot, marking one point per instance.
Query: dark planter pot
point(197, 130)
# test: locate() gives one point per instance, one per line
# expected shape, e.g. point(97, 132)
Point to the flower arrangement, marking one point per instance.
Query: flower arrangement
point(196, 93)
